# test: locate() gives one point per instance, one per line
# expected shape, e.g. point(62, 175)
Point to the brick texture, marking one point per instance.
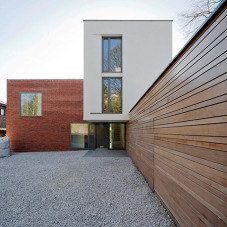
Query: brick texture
point(62, 104)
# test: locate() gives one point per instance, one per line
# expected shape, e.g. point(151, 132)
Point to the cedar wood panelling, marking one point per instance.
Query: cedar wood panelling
point(177, 132)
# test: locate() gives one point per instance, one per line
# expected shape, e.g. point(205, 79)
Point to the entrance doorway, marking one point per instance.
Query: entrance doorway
point(110, 135)
point(97, 135)
point(102, 135)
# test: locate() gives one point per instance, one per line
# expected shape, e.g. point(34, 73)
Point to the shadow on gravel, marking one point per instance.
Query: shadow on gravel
point(106, 153)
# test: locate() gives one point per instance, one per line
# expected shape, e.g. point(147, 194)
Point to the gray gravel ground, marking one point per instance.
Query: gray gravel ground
point(79, 188)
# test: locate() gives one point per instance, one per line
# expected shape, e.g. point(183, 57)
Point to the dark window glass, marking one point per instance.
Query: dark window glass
point(79, 136)
point(112, 54)
point(91, 136)
point(112, 95)
point(31, 104)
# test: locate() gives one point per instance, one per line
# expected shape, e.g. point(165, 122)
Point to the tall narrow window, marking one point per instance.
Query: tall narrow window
point(112, 54)
point(31, 104)
point(112, 95)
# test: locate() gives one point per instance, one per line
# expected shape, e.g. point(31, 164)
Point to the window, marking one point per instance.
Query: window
point(91, 132)
point(2, 112)
point(31, 104)
point(112, 54)
point(79, 136)
point(112, 95)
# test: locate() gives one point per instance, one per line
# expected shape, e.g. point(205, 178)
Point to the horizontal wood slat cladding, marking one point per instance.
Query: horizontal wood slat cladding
point(177, 132)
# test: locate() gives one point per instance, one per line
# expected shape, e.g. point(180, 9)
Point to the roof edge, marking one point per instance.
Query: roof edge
point(221, 5)
point(88, 20)
point(43, 79)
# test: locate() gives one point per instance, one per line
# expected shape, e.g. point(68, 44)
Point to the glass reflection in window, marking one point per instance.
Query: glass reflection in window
point(112, 54)
point(79, 135)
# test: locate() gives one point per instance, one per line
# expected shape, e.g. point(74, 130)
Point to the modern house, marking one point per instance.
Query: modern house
point(176, 132)
point(121, 59)
point(2, 118)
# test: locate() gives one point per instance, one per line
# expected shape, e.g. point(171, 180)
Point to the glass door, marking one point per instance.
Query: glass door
point(117, 136)
point(91, 132)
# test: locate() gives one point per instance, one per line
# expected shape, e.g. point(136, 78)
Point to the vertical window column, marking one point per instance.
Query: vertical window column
point(112, 54)
point(112, 95)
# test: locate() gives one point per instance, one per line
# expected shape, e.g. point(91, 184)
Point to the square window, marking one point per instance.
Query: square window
point(112, 54)
point(31, 104)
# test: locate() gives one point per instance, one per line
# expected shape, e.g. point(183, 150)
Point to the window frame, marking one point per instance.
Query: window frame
point(104, 78)
point(4, 112)
point(124, 148)
point(73, 149)
point(41, 103)
point(109, 38)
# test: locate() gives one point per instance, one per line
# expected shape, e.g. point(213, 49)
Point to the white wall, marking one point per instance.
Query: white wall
point(146, 51)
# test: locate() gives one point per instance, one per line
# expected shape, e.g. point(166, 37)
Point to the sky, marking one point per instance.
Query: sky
point(43, 39)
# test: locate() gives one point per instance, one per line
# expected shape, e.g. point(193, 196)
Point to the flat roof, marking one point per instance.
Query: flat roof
point(43, 79)
point(218, 9)
point(127, 20)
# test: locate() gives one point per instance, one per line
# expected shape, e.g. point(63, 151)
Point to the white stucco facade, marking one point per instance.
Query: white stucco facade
point(146, 51)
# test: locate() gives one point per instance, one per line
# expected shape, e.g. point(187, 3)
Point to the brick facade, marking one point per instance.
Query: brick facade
point(62, 103)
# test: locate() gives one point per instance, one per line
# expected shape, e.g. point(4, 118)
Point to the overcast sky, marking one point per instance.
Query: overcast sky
point(43, 39)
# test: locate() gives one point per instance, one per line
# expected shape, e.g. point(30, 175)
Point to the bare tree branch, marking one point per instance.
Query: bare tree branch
point(191, 19)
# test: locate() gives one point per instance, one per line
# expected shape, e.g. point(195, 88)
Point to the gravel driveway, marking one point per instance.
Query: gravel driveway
point(76, 188)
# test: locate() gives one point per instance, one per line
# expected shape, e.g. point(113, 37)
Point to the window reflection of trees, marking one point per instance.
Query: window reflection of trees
point(115, 95)
point(115, 58)
point(112, 55)
point(31, 104)
point(112, 95)
point(106, 103)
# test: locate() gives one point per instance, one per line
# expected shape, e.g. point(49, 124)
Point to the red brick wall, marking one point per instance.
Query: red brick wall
point(62, 104)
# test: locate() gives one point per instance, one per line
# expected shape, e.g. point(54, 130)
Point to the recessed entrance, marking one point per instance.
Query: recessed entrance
point(110, 135)
point(97, 135)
